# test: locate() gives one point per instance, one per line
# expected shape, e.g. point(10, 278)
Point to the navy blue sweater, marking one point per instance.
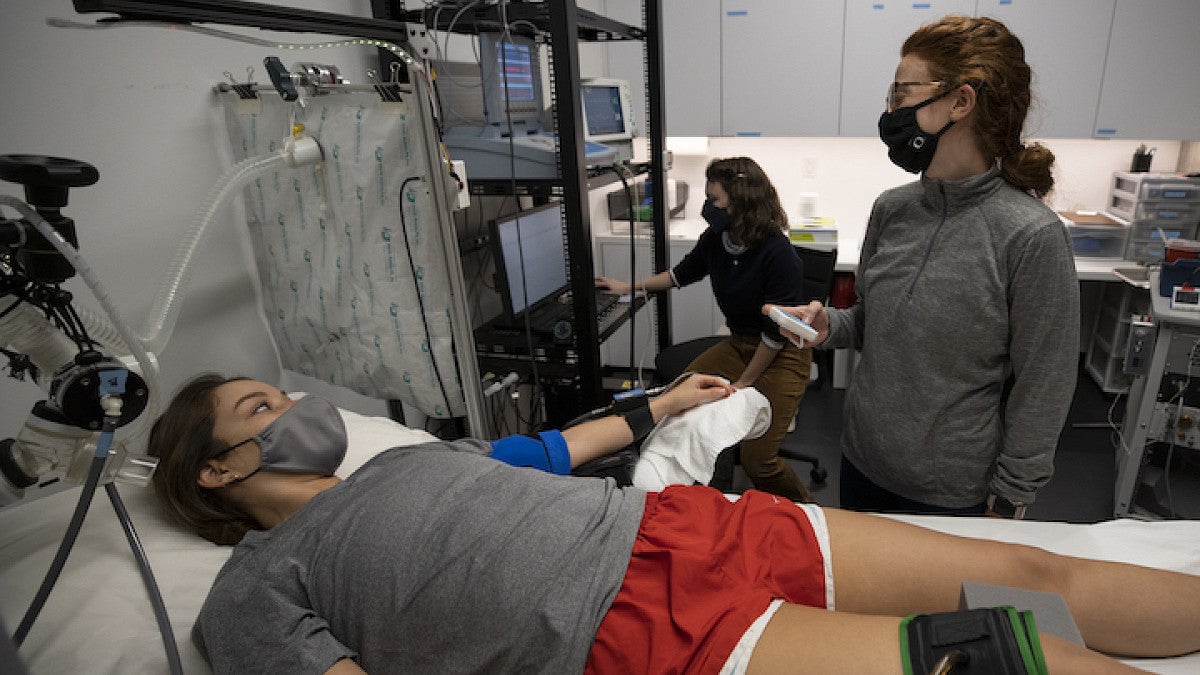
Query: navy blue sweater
point(770, 272)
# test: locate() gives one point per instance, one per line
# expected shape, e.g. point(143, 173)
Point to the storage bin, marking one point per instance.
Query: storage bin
point(1144, 251)
point(1146, 241)
point(1098, 241)
point(1126, 207)
point(1154, 229)
point(1167, 212)
point(1157, 186)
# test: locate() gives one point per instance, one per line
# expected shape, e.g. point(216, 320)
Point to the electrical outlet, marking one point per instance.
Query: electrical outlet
point(808, 168)
point(1139, 348)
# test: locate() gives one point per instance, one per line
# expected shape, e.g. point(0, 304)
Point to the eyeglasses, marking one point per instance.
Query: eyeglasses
point(898, 90)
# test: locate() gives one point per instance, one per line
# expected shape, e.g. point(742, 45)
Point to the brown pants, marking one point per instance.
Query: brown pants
point(783, 383)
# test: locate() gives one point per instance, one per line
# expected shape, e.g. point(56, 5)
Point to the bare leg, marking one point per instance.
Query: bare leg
point(806, 639)
point(881, 566)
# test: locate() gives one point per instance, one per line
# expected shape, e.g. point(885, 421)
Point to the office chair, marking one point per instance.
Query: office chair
point(818, 282)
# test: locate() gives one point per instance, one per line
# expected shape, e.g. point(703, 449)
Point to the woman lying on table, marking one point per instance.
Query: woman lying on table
point(437, 558)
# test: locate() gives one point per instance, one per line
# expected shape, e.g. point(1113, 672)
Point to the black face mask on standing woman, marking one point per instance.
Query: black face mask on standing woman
point(910, 147)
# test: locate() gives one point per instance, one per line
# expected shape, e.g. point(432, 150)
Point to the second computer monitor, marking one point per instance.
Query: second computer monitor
point(607, 110)
point(531, 265)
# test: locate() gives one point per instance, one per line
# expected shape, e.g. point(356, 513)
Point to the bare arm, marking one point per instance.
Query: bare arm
point(609, 434)
point(659, 282)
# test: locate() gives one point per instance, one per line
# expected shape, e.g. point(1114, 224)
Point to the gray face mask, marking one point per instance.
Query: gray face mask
point(309, 437)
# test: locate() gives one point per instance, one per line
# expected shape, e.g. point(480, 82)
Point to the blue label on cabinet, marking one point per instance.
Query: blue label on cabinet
point(737, 12)
point(749, 133)
point(921, 5)
point(1106, 132)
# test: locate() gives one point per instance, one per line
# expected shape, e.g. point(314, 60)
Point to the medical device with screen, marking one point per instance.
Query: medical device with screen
point(531, 265)
point(607, 110)
point(512, 78)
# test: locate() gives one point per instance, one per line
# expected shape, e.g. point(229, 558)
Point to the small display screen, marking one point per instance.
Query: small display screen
point(602, 110)
point(1186, 297)
point(518, 71)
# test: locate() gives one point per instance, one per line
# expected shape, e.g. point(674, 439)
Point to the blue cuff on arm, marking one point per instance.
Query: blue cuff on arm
point(547, 453)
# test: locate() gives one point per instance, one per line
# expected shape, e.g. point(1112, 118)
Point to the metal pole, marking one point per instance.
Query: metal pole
point(656, 130)
point(460, 317)
point(564, 48)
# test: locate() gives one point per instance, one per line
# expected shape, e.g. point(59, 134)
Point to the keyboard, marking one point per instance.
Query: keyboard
point(609, 312)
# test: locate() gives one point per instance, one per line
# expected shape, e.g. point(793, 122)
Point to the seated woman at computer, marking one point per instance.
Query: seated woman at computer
point(750, 261)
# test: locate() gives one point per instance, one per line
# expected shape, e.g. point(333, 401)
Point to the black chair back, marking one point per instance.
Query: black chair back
point(818, 272)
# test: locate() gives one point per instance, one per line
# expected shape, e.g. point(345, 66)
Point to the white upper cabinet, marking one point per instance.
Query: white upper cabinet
point(1152, 74)
point(781, 63)
point(1101, 68)
point(692, 67)
point(1065, 43)
point(875, 31)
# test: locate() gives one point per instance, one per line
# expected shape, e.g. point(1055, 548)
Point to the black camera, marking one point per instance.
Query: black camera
point(46, 181)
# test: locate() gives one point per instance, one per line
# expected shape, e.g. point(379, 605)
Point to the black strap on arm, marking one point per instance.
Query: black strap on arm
point(636, 412)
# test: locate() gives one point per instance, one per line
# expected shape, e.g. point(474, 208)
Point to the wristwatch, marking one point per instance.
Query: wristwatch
point(1001, 506)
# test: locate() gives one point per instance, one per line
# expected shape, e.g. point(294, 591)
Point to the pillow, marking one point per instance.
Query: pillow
point(369, 436)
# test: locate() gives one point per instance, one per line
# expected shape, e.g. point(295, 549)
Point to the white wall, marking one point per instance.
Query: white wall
point(137, 104)
point(848, 173)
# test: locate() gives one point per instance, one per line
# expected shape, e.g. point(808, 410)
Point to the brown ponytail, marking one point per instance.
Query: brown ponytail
point(1029, 169)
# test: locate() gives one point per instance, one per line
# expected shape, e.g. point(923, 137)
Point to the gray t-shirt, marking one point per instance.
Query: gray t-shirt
point(429, 558)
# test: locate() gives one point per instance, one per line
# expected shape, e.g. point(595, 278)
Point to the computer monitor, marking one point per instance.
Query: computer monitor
point(607, 110)
point(511, 73)
point(531, 265)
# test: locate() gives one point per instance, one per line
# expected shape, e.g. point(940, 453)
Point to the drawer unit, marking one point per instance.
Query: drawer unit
point(1157, 186)
point(1155, 229)
point(1125, 205)
point(1168, 212)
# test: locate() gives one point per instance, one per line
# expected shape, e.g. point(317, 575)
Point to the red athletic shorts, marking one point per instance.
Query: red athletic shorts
point(702, 570)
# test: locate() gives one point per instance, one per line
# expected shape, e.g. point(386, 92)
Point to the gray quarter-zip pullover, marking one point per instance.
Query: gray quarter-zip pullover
point(960, 285)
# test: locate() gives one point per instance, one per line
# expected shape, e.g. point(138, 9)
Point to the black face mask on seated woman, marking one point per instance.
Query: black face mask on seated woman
point(909, 146)
point(715, 215)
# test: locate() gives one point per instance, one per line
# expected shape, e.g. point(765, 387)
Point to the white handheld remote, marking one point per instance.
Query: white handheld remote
point(792, 324)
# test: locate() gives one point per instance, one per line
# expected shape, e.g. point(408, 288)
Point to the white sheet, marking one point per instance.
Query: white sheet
point(99, 620)
point(682, 449)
